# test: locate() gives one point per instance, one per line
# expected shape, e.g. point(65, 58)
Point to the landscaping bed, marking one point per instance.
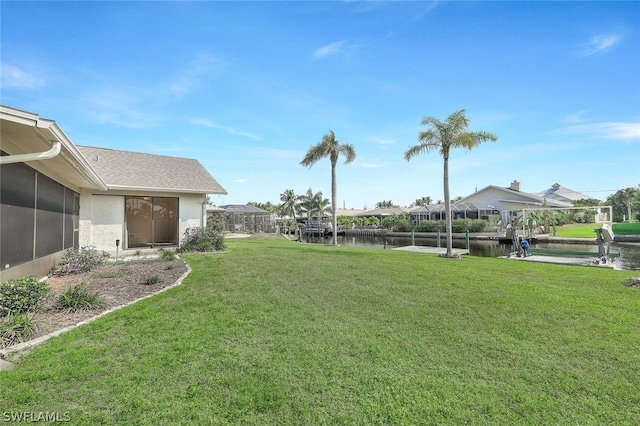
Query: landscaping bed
point(116, 283)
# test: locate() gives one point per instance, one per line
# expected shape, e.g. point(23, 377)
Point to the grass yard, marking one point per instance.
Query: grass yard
point(626, 228)
point(276, 332)
point(585, 230)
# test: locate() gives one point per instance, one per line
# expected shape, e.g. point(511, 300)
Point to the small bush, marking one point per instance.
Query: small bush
point(81, 260)
point(154, 279)
point(22, 295)
point(16, 328)
point(168, 254)
point(78, 298)
point(202, 239)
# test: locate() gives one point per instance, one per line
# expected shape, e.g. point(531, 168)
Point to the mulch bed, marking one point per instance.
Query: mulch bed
point(118, 284)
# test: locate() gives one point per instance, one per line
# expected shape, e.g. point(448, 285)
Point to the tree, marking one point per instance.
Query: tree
point(423, 201)
point(330, 147)
point(314, 204)
point(289, 204)
point(385, 204)
point(623, 201)
point(268, 206)
point(444, 135)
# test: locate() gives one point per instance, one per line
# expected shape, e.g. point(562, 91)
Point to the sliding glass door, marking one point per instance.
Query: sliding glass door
point(151, 221)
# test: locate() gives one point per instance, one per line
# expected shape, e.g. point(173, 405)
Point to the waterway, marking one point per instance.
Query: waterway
point(629, 253)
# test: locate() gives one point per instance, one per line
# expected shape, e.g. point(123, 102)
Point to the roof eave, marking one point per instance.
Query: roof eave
point(156, 189)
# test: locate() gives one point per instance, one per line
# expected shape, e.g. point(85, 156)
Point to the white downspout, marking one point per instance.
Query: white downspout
point(23, 158)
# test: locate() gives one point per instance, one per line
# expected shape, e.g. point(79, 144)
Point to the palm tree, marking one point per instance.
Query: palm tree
point(424, 201)
point(385, 204)
point(289, 204)
point(314, 204)
point(330, 147)
point(444, 135)
point(624, 198)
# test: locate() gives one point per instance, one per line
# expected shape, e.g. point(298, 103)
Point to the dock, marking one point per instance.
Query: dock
point(560, 260)
point(432, 250)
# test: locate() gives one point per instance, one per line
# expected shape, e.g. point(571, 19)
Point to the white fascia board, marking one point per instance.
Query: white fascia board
point(85, 168)
point(152, 189)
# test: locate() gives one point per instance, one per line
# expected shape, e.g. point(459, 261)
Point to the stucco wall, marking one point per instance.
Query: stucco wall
point(192, 213)
point(107, 221)
point(102, 217)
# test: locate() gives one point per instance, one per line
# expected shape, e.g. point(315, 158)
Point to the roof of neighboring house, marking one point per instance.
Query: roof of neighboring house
point(126, 170)
point(243, 209)
point(558, 191)
point(513, 196)
point(388, 211)
point(349, 212)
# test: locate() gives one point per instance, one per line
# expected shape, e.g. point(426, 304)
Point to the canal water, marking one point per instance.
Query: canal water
point(629, 252)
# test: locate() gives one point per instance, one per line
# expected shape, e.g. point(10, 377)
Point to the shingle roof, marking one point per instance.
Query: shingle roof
point(129, 170)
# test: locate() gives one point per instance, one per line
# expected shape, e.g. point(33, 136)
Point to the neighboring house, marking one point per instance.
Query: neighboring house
point(384, 212)
point(55, 195)
point(508, 201)
point(560, 193)
point(491, 200)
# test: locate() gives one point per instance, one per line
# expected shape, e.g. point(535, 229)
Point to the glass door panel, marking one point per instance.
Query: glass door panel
point(139, 217)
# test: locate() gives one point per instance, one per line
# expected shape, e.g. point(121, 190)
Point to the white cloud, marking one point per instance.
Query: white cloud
point(606, 130)
point(336, 48)
point(16, 77)
point(600, 44)
point(119, 107)
point(230, 130)
point(201, 68)
point(576, 117)
point(383, 141)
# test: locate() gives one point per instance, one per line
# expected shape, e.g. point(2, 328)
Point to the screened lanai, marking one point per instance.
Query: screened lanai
point(247, 218)
point(458, 211)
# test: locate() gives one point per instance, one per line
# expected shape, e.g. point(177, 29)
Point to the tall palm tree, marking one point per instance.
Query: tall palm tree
point(330, 147)
point(444, 135)
point(289, 204)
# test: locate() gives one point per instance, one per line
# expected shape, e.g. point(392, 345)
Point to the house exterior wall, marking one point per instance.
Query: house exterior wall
point(102, 216)
point(104, 221)
point(192, 212)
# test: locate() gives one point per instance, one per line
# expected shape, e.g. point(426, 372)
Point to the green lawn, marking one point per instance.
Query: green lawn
point(276, 332)
point(586, 230)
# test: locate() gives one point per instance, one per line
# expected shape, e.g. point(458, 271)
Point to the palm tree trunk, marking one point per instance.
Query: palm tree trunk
point(334, 196)
point(447, 204)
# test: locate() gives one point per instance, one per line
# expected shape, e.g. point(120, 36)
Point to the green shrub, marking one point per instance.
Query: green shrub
point(168, 254)
point(16, 328)
point(81, 260)
point(458, 225)
point(202, 239)
point(152, 280)
point(217, 222)
point(78, 298)
point(432, 226)
point(22, 294)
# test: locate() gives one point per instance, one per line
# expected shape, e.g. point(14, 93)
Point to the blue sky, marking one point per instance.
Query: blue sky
point(248, 87)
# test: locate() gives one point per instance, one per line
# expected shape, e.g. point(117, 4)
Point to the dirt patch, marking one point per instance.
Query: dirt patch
point(117, 284)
